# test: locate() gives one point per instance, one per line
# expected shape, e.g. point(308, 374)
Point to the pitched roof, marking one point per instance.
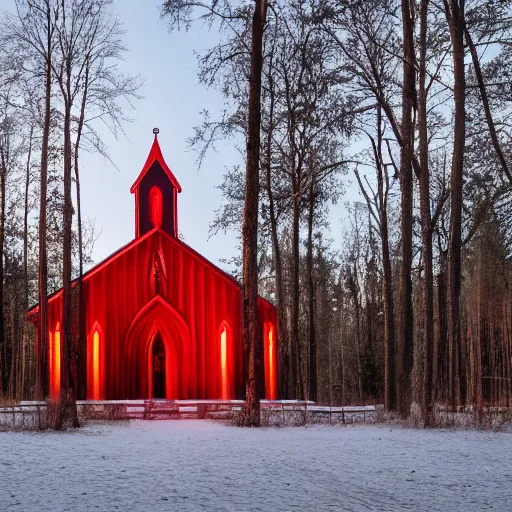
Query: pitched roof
point(222, 273)
point(155, 155)
point(98, 266)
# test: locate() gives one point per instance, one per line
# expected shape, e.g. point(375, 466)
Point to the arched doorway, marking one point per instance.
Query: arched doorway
point(158, 331)
point(158, 367)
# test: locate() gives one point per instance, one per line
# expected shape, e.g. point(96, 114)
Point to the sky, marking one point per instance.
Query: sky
point(173, 100)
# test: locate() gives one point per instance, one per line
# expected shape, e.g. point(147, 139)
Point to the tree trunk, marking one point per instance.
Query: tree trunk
point(4, 364)
point(388, 298)
point(354, 289)
point(25, 262)
point(441, 343)
point(478, 343)
point(389, 325)
point(250, 223)
point(42, 374)
point(405, 334)
point(508, 354)
point(342, 354)
point(68, 368)
point(283, 368)
point(13, 308)
point(295, 348)
point(313, 384)
point(426, 227)
point(456, 22)
point(80, 351)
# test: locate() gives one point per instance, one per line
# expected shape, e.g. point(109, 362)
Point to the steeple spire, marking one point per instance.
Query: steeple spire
point(156, 194)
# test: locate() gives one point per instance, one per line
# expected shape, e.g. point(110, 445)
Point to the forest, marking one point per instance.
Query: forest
point(408, 100)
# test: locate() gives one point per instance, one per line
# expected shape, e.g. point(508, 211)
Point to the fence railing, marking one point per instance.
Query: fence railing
point(35, 415)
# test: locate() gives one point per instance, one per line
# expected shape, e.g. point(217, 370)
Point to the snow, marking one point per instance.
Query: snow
point(194, 465)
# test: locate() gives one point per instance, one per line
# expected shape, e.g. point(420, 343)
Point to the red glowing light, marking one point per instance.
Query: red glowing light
point(54, 354)
point(96, 366)
point(51, 355)
point(269, 337)
point(156, 206)
point(224, 363)
point(271, 363)
point(57, 361)
point(95, 363)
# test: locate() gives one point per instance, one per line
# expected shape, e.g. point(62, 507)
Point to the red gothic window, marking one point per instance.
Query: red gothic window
point(96, 365)
point(95, 362)
point(224, 343)
point(155, 206)
point(270, 361)
point(55, 363)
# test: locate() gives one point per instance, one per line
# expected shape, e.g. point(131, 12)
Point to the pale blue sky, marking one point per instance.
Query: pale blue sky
point(173, 102)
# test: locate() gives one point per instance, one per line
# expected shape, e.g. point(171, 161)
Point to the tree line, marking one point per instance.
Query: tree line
point(410, 100)
point(60, 81)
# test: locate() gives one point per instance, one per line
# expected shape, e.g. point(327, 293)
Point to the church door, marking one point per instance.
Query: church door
point(158, 367)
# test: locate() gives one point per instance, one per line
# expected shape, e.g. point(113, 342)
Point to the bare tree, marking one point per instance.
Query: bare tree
point(181, 11)
point(377, 203)
point(454, 10)
point(33, 30)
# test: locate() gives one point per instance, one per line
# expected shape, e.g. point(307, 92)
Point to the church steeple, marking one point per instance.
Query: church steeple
point(156, 195)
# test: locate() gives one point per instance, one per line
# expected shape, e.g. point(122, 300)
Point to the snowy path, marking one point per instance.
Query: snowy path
point(200, 465)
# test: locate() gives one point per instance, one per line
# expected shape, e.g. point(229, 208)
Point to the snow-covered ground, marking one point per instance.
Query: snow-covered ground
point(201, 465)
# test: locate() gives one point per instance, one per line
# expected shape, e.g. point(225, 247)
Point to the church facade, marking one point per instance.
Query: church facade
point(161, 320)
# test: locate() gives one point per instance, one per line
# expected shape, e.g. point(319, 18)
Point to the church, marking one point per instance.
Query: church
point(161, 320)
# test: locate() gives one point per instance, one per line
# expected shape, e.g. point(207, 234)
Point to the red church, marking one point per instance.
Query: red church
point(161, 320)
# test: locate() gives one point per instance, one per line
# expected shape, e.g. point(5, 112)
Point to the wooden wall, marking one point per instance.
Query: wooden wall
point(194, 300)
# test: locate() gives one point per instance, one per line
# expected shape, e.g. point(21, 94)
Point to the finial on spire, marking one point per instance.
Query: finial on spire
point(156, 131)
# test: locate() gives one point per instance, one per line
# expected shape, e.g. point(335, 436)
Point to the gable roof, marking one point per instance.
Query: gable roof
point(221, 273)
point(155, 155)
point(122, 250)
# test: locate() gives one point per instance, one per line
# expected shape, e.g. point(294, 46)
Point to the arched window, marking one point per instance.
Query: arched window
point(51, 362)
point(158, 275)
point(155, 206)
point(96, 365)
point(95, 362)
point(270, 361)
point(55, 363)
point(224, 342)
